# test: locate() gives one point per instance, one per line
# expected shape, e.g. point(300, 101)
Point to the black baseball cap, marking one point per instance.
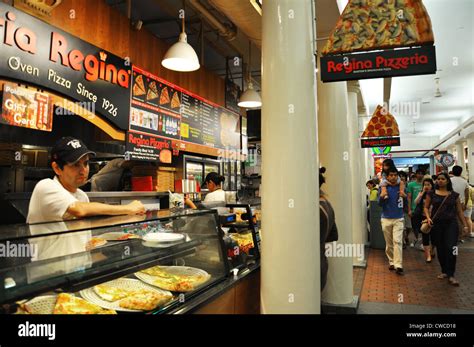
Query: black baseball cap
point(69, 150)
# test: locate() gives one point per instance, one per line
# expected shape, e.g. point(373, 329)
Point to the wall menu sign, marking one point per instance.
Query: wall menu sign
point(163, 110)
point(357, 66)
point(380, 142)
point(35, 52)
point(28, 108)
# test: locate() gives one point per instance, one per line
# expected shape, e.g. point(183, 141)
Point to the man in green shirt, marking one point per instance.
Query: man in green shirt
point(414, 188)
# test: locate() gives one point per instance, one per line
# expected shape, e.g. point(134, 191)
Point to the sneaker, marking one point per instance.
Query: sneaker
point(471, 235)
point(399, 271)
point(391, 267)
point(420, 247)
point(412, 244)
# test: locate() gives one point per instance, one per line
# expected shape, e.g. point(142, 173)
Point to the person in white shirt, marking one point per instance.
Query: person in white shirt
point(60, 198)
point(214, 184)
point(461, 187)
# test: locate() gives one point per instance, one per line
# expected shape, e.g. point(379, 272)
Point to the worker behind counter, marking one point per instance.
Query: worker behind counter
point(216, 195)
point(60, 198)
point(110, 177)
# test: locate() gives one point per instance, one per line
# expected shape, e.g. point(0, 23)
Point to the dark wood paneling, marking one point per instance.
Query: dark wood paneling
point(224, 304)
point(247, 295)
point(105, 27)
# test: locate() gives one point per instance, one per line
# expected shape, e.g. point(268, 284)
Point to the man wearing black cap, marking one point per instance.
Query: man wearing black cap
point(60, 198)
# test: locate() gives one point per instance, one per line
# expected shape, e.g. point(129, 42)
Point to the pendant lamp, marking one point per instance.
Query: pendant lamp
point(250, 98)
point(181, 56)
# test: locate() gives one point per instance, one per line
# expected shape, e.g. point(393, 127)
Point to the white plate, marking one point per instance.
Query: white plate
point(123, 283)
point(160, 245)
point(42, 304)
point(176, 270)
point(163, 237)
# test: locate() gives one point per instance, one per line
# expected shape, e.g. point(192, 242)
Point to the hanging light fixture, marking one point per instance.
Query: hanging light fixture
point(250, 98)
point(181, 56)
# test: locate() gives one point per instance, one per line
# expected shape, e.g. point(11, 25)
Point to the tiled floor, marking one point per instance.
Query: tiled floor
point(418, 291)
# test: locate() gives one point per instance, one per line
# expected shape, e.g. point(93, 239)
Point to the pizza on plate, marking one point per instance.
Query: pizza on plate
point(174, 282)
point(381, 124)
point(70, 304)
point(111, 293)
point(139, 86)
point(378, 24)
point(144, 300)
point(165, 97)
point(152, 91)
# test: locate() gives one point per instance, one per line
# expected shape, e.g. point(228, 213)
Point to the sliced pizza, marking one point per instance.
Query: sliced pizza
point(144, 300)
point(70, 304)
point(381, 124)
point(377, 24)
point(164, 97)
point(139, 86)
point(111, 293)
point(152, 91)
point(174, 282)
point(175, 102)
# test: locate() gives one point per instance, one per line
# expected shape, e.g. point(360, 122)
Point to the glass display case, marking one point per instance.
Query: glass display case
point(153, 263)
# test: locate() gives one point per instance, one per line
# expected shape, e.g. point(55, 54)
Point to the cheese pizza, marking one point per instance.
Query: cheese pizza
point(144, 300)
point(111, 293)
point(139, 86)
point(175, 103)
point(165, 97)
point(381, 124)
point(174, 282)
point(70, 304)
point(152, 91)
point(378, 24)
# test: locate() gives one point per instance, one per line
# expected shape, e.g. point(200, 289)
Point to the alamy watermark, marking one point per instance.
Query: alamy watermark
point(69, 108)
point(345, 250)
point(13, 250)
point(403, 108)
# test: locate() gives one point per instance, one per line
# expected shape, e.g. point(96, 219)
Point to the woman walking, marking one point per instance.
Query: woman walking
point(427, 187)
point(444, 206)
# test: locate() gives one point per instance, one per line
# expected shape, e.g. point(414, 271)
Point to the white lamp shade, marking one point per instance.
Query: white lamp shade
point(250, 98)
point(181, 56)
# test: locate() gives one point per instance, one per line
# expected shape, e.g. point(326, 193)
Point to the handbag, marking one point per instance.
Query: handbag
point(425, 226)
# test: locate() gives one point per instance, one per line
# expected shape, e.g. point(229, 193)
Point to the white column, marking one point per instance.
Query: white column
point(460, 156)
point(333, 121)
point(358, 203)
point(470, 157)
point(290, 281)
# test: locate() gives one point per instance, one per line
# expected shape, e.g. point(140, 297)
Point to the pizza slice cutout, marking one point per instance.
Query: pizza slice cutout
point(381, 124)
point(165, 97)
point(377, 24)
point(70, 304)
point(152, 91)
point(139, 86)
point(175, 103)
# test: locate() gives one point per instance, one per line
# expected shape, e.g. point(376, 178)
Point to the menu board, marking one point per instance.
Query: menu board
point(167, 111)
point(26, 108)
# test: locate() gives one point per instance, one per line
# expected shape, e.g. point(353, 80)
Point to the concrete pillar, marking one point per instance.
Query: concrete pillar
point(470, 157)
point(358, 203)
point(333, 121)
point(460, 156)
point(290, 281)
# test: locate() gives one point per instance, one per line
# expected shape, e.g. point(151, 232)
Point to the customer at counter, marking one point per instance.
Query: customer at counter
point(216, 194)
point(60, 198)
